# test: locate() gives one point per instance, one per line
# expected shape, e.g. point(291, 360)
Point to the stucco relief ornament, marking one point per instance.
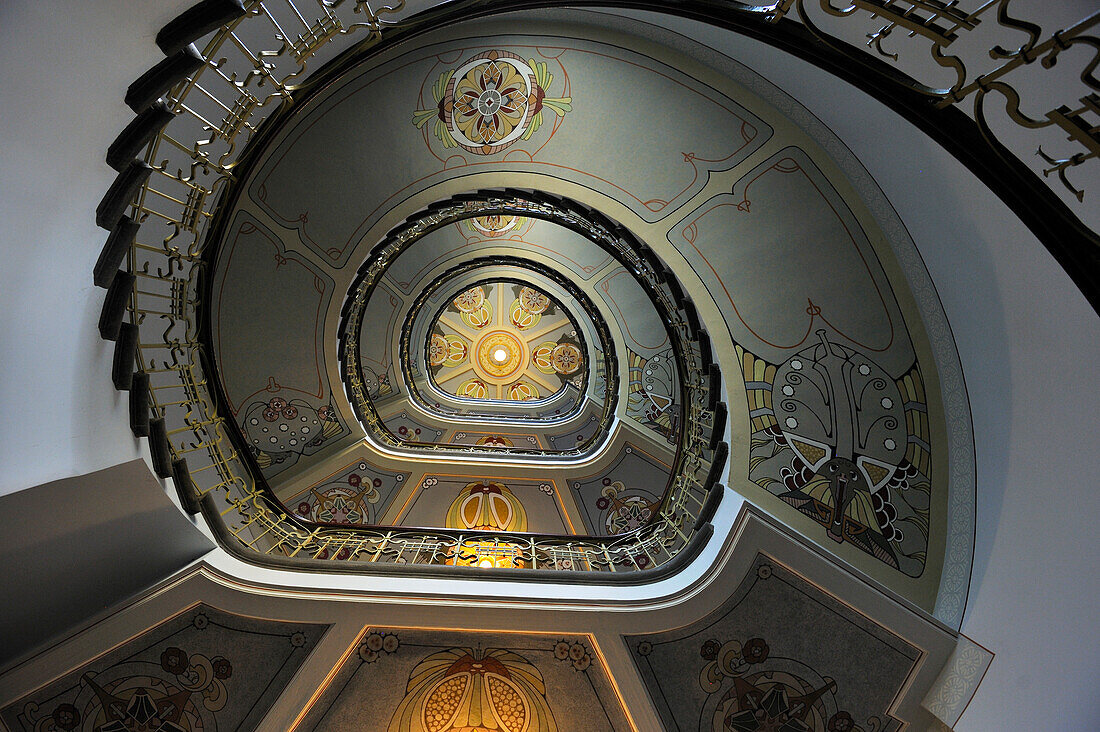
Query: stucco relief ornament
point(491, 101)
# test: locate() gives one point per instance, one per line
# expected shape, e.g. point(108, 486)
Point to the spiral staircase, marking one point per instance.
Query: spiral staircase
point(461, 327)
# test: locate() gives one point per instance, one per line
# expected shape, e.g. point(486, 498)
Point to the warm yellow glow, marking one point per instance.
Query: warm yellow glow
point(486, 562)
point(500, 355)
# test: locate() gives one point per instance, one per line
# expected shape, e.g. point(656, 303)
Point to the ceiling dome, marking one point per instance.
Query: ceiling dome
point(449, 260)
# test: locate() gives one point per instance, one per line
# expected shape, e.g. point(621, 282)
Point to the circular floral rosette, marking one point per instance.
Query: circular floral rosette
point(437, 350)
point(521, 391)
point(470, 300)
point(446, 350)
point(491, 101)
point(533, 301)
point(499, 355)
point(566, 359)
point(493, 98)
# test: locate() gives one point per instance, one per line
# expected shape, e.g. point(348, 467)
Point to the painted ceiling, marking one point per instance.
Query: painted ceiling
point(836, 424)
point(505, 342)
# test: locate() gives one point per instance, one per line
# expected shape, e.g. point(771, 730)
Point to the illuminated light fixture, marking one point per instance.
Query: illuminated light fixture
point(500, 355)
point(487, 506)
point(486, 554)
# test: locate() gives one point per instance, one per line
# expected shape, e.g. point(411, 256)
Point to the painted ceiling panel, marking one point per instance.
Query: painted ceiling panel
point(624, 495)
point(333, 199)
point(779, 654)
point(377, 353)
point(446, 246)
point(269, 308)
point(536, 498)
point(784, 254)
point(361, 493)
point(202, 669)
point(645, 332)
point(407, 680)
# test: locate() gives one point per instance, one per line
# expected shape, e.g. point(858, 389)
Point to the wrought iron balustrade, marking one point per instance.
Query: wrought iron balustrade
point(232, 65)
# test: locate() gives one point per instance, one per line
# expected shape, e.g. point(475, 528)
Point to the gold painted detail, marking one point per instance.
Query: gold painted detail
point(471, 690)
point(488, 349)
point(499, 354)
point(521, 391)
point(487, 506)
point(495, 441)
point(495, 226)
point(490, 102)
point(473, 389)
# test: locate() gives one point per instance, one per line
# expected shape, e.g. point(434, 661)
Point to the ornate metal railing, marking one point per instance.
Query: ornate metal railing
point(232, 64)
point(943, 27)
point(176, 161)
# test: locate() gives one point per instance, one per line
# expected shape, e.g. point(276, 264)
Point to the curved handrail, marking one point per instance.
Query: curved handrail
point(193, 443)
point(177, 165)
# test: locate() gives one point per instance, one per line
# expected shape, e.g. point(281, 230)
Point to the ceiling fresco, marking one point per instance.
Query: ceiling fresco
point(484, 344)
point(564, 79)
point(835, 424)
point(509, 342)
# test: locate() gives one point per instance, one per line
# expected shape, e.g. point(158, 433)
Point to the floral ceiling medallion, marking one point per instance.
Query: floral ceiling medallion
point(491, 101)
point(504, 341)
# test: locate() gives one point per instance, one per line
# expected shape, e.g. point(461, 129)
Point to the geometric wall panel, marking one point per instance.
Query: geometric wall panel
point(779, 654)
point(203, 669)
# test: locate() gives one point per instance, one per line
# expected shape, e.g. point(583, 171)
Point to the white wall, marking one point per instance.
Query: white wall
point(61, 105)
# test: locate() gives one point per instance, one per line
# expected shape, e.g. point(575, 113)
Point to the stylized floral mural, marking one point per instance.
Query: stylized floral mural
point(490, 102)
point(780, 655)
point(281, 429)
point(504, 350)
point(839, 439)
point(200, 671)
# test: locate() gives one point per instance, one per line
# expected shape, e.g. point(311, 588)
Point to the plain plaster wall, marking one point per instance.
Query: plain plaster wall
point(1030, 344)
point(64, 68)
